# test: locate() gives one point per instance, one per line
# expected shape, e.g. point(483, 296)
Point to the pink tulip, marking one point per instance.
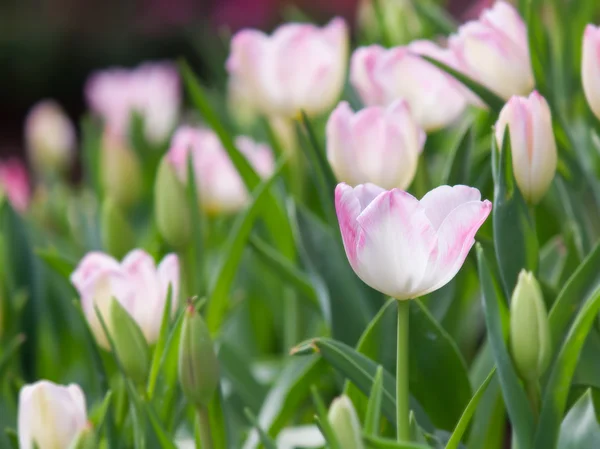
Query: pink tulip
point(382, 76)
point(534, 154)
point(375, 145)
point(51, 416)
point(298, 67)
point(137, 283)
point(151, 89)
point(590, 68)
point(494, 51)
point(220, 187)
point(403, 247)
point(14, 182)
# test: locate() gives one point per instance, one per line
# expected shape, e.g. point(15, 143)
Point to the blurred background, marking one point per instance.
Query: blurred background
point(49, 47)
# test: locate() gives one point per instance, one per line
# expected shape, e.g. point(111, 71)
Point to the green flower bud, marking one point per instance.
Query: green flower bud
point(121, 173)
point(170, 206)
point(130, 344)
point(529, 329)
point(345, 423)
point(198, 364)
point(117, 236)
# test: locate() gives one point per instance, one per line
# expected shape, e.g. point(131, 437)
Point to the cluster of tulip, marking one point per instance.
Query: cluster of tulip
point(167, 188)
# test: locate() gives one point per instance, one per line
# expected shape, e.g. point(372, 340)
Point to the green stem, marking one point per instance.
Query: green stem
point(402, 390)
point(533, 394)
point(206, 441)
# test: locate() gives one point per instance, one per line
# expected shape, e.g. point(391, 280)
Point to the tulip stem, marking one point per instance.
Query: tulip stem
point(206, 441)
point(402, 390)
point(533, 394)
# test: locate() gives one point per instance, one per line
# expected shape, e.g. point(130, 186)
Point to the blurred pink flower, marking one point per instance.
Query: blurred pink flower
point(14, 182)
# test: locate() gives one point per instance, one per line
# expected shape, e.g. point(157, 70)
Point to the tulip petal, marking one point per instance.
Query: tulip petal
point(441, 201)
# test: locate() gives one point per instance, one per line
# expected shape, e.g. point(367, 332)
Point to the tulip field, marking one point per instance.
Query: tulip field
point(375, 235)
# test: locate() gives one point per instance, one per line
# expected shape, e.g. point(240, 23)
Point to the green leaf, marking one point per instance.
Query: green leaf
point(9, 351)
point(264, 438)
point(557, 387)
point(13, 438)
point(580, 428)
point(231, 254)
point(487, 96)
point(194, 256)
point(159, 348)
point(382, 443)
point(458, 170)
point(496, 316)
point(99, 416)
point(373, 415)
point(323, 420)
point(91, 141)
point(435, 14)
point(57, 262)
point(465, 419)
point(515, 239)
point(218, 424)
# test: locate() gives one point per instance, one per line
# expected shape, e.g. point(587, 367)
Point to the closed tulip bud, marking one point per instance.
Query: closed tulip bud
point(529, 329)
point(299, 67)
point(532, 144)
point(403, 247)
point(120, 171)
point(345, 423)
point(50, 416)
point(171, 208)
point(198, 364)
point(382, 76)
point(130, 343)
point(136, 283)
point(50, 138)
point(590, 68)
point(117, 236)
point(375, 145)
point(494, 51)
point(14, 184)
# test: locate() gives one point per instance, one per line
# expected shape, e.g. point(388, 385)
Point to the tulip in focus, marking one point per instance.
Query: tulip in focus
point(220, 187)
point(532, 144)
point(50, 138)
point(494, 51)
point(590, 68)
point(151, 90)
point(382, 76)
point(14, 183)
point(403, 247)
point(345, 423)
point(136, 283)
point(299, 67)
point(375, 145)
point(50, 416)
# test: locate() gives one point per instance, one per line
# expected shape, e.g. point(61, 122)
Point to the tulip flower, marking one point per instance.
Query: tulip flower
point(14, 183)
point(590, 68)
point(345, 423)
point(299, 67)
point(532, 143)
point(50, 137)
point(136, 283)
point(151, 90)
point(494, 51)
point(375, 145)
point(50, 416)
point(382, 76)
point(220, 187)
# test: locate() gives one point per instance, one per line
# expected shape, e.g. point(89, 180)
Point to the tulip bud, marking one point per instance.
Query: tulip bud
point(375, 145)
point(50, 416)
point(121, 174)
point(14, 184)
point(529, 329)
point(130, 344)
point(50, 138)
point(198, 364)
point(590, 68)
point(345, 423)
point(494, 50)
point(534, 154)
point(171, 209)
point(117, 236)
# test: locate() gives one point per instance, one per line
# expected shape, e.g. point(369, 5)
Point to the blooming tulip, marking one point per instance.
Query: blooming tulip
point(404, 247)
point(51, 416)
point(590, 67)
point(494, 51)
point(375, 145)
point(532, 143)
point(50, 137)
point(220, 186)
point(14, 183)
point(136, 283)
point(151, 90)
point(382, 76)
point(298, 67)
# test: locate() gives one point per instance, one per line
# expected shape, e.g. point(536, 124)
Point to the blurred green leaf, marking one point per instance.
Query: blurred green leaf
point(194, 256)
point(159, 348)
point(323, 420)
point(458, 169)
point(437, 15)
point(382, 443)
point(580, 428)
point(264, 438)
point(8, 352)
point(373, 414)
point(100, 414)
point(59, 263)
